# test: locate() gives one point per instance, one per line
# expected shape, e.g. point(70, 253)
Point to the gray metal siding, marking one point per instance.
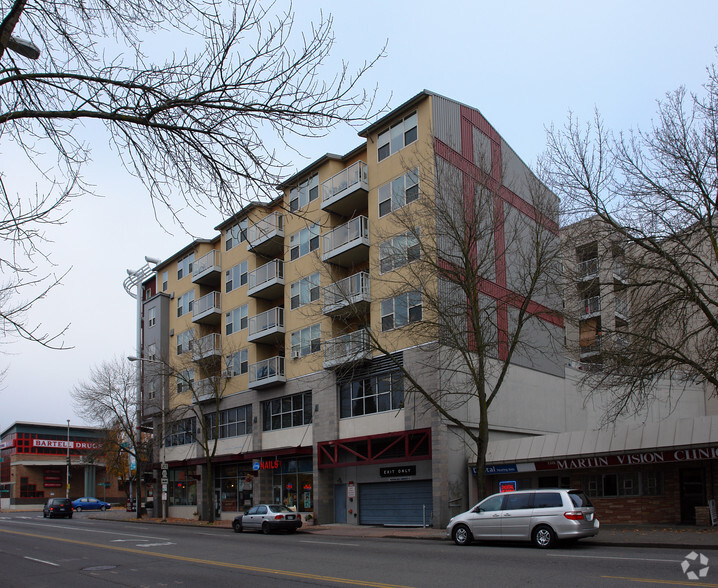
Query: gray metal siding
point(395, 503)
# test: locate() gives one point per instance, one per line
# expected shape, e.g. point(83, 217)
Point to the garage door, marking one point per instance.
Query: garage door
point(395, 503)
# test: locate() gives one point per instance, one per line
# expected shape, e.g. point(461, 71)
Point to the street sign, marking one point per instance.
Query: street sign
point(164, 473)
point(164, 465)
point(165, 481)
point(164, 489)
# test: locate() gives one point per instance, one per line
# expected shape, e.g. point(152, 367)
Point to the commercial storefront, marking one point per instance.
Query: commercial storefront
point(659, 473)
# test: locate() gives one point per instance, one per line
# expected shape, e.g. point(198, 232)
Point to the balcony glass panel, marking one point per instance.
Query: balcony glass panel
point(268, 369)
point(353, 175)
point(206, 262)
point(346, 348)
point(266, 273)
point(267, 227)
point(265, 321)
point(589, 305)
point(355, 229)
point(206, 303)
point(347, 291)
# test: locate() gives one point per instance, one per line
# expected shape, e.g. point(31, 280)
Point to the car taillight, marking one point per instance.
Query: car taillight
point(574, 515)
point(278, 517)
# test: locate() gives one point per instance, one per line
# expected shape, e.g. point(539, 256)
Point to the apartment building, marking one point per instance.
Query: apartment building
point(271, 318)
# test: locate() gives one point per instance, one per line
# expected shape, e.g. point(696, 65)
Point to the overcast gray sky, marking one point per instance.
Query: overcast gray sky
point(523, 64)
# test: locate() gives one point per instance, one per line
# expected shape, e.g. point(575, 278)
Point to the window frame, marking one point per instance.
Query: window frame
point(231, 420)
point(276, 415)
point(187, 297)
point(183, 382)
point(238, 274)
point(309, 285)
point(304, 193)
point(408, 301)
point(398, 197)
point(238, 363)
point(184, 266)
point(399, 251)
point(183, 341)
point(236, 234)
point(407, 128)
point(306, 341)
point(385, 391)
point(308, 236)
point(243, 317)
point(151, 317)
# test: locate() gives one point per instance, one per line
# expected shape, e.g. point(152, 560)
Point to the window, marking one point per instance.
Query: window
point(184, 266)
point(237, 319)
point(152, 316)
point(304, 241)
point(152, 351)
point(165, 277)
point(492, 504)
point(397, 137)
point(184, 380)
point(401, 310)
point(306, 341)
point(180, 432)
point(547, 500)
point(184, 303)
point(183, 340)
point(236, 277)
point(399, 192)
point(303, 194)
point(399, 251)
point(371, 395)
point(238, 363)
point(519, 501)
point(232, 422)
point(289, 411)
point(623, 484)
point(151, 389)
point(304, 291)
point(236, 235)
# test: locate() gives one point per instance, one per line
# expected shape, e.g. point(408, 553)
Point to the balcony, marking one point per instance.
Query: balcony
point(621, 308)
point(619, 270)
point(348, 244)
point(587, 269)
point(267, 327)
point(266, 237)
point(207, 310)
point(589, 306)
point(206, 390)
point(346, 192)
point(346, 349)
point(591, 349)
point(206, 347)
point(268, 372)
point(348, 296)
point(207, 269)
point(267, 281)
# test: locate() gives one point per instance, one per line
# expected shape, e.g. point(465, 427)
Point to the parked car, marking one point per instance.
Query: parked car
point(88, 503)
point(267, 518)
point(543, 516)
point(57, 507)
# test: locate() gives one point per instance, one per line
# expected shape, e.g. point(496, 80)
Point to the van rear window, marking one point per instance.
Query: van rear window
point(547, 500)
point(579, 499)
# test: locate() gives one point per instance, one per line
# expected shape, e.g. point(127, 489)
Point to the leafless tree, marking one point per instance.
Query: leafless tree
point(474, 303)
point(654, 194)
point(109, 399)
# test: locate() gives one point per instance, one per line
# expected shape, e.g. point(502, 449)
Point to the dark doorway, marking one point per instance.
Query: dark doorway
point(340, 503)
point(693, 493)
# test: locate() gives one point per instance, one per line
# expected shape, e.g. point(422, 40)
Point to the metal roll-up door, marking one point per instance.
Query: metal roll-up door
point(395, 503)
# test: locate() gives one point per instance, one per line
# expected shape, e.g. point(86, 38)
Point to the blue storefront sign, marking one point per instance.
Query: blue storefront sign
point(507, 468)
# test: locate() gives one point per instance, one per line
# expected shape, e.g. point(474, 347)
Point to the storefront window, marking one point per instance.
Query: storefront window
point(234, 486)
point(182, 488)
point(293, 484)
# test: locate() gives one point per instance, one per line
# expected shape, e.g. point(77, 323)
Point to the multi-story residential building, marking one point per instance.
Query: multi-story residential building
point(278, 306)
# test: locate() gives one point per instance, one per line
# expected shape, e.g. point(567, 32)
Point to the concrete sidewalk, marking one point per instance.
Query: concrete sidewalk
point(688, 537)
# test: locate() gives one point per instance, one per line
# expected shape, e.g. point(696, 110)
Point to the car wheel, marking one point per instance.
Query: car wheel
point(103, 508)
point(544, 537)
point(78, 509)
point(265, 528)
point(237, 526)
point(462, 535)
point(44, 515)
point(292, 530)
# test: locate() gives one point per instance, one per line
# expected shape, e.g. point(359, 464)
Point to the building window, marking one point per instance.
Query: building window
point(184, 303)
point(165, 278)
point(306, 341)
point(152, 316)
point(238, 363)
point(236, 277)
point(151, 389)
point(399, 192)
point(184, 266)
point(304, 241)
point(183, 341)
point(401, 310)
point(182, 487)
point(304, 291)
point(397, 137)
point(233, 422)
point(152, 351)
point(288, 411)
point(236, 235)
point(185, 379)
point(237, 319)
point(623, 484)
point(303, 194)
point(371, 395)
point(180, 432)
point(399, 251)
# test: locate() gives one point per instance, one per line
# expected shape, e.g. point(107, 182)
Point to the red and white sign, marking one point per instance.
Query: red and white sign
point(65, 444)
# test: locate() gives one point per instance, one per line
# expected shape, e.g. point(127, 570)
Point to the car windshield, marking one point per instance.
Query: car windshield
point(579, 499)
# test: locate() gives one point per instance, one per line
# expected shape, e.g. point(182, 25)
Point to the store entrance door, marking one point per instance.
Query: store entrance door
point(693, 493)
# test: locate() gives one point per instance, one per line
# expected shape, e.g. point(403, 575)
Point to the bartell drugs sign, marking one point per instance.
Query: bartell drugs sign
point(52, 444)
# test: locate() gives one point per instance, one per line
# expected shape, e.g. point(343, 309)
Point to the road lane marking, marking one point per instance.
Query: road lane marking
point(43, 561)
point(614, 557)
point(663, 582)
point(235, 566)
point(154, 544)
point(329, 543)
point(85, 530)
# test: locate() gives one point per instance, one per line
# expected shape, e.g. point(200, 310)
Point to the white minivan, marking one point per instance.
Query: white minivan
point(543, 516)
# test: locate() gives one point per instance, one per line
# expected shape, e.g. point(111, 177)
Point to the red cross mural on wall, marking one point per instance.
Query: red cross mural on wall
point(472, 174)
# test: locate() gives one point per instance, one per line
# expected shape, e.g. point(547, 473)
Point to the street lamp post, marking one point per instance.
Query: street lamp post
point(163, 461)
point(67, 482)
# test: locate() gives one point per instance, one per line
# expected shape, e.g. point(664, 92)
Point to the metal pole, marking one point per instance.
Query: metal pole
point(67, 485)
point(163, 487)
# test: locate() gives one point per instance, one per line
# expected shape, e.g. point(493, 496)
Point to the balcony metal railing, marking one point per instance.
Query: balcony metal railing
point(355, 230)
point(207, 345)
point(621, 306)
point(346, 348)
point(619, 269)
point(207, 261)
point(206, 389)
point(353, 175)
point(265, 321)
point(269, 226)
point(268, 369)
point(208, 302)
point(589, 305)
point(347, 291)
point(266, 273)
point(587, 268)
